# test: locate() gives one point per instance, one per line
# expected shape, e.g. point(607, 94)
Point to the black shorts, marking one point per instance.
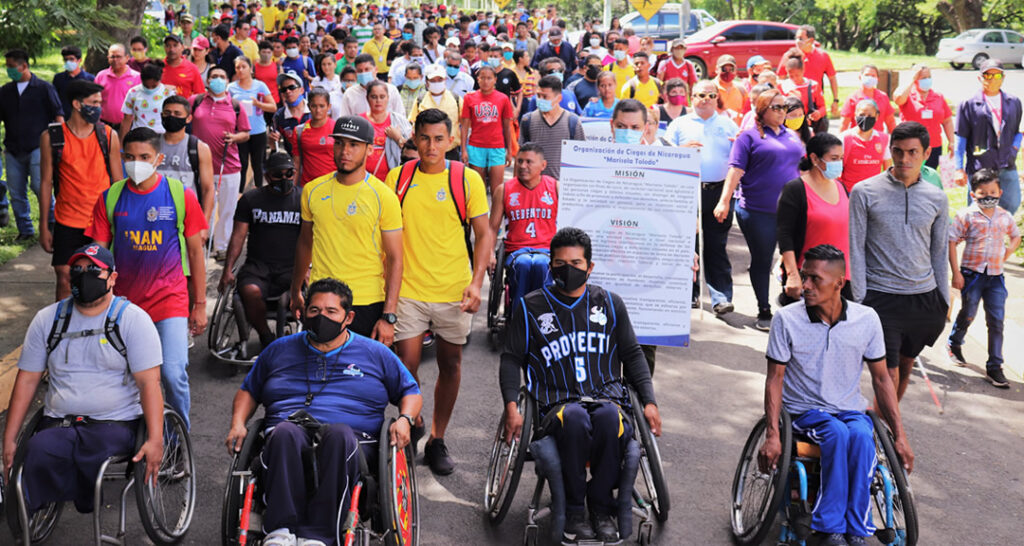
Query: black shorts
point(271, 281)
point(366, 318)
point(909, 321)
point(66, 240)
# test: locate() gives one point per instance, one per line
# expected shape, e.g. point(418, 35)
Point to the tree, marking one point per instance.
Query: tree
point(122, 30)
point(35, 25)
point(962, 14)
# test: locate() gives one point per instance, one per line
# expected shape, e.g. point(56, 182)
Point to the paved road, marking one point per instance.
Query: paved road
point(968, 479)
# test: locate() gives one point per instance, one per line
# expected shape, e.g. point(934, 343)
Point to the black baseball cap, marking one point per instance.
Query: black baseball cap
point(172, 38)
point(95, 252)
point(353, 128)
point(279, 161)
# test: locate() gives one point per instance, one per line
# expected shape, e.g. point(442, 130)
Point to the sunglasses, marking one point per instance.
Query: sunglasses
point(777, 107)
point(289, 88)
point(91, 268)
point(278, 175)
point(994, 76)
point(706, 95)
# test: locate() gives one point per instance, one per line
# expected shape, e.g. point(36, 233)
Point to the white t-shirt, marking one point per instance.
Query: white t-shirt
point(995, 103)
point(146, 106)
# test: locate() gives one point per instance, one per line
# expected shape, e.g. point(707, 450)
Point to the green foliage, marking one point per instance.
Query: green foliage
point(154, 33)
point(37, 24)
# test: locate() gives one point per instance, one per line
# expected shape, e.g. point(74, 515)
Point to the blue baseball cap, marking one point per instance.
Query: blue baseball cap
point(756, 60)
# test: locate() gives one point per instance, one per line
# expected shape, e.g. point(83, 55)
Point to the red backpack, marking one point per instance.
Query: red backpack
point(456, 172)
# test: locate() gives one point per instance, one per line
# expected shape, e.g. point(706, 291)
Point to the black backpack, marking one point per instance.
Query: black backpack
point(56, 132)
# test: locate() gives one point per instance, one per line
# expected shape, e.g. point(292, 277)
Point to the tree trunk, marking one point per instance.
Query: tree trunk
point(96, 59)
point(962, 14)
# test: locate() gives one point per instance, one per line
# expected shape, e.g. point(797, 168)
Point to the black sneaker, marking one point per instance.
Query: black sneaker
point(854, 540)
point(605, 529)
point(22, 237)
point(5, 218)
point(576, 529)
point(723, 308)
point(764, 320)
point(996, 377)
point(415, 434)
point(435, 454)
point(834, 539)
point(956, 354)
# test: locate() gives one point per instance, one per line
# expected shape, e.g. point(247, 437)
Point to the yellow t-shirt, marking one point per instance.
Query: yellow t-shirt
point(379, 51)
point(646, 93)
point(436, 264)
point(622, 75)
point(270, 15)
point(248, 46)
point(347, 226)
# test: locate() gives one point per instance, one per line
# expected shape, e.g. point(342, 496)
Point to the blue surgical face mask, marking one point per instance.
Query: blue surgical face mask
point(544, 105)
point(559, 74)
point(414, 84)
point(924, 84)
point(833, 169)
point(217, 85)
point(451, 70)
point(70, 66)
point(507, 55)
point(494, 61)
point(869, 81)
point(628, 136)
point(364, 78)
point(407, 36)
point(619, 55)
point(452, 33)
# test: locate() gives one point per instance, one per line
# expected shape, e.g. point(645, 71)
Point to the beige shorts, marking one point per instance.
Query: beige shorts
point(446, 320)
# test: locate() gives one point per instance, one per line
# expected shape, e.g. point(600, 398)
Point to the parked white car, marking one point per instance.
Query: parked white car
point(976, 45)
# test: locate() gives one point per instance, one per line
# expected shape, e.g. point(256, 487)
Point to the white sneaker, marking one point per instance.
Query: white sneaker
point(280, 537)
point(309, 542)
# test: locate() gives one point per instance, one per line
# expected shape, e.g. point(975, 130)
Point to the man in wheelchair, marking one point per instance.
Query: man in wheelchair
point(103, 358)
point(574, 343)
point(270, 216)
point(325, 391)
point(529, 203)
point(816, 351)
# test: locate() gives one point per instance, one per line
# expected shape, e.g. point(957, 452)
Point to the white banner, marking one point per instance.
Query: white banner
point(639, 206)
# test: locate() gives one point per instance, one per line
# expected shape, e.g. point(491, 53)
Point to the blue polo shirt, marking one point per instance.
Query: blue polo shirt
point(352, 384)
point(27, 114)
point(60, 83)
point(714, 134)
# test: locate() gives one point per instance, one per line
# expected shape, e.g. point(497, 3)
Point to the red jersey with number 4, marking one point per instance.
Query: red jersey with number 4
point(531, 214)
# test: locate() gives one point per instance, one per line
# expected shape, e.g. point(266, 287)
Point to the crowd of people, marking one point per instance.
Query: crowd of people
point(368, 144)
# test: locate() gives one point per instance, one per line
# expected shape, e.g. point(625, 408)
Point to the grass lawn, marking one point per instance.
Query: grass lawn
point(9, 248)
point(854, 60)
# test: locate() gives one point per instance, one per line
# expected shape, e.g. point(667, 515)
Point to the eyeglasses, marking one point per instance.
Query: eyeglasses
point(278, 175)
point(289, 88)
point(777, 108)
point(91, 268)
point(992, 76)
point(706, 95)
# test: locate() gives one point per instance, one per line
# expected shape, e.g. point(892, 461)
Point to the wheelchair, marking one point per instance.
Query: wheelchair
point(385, 504)
point(230, 334)
point(789, 490)
point(165, 509)
point(505, 468)
point(499, 308)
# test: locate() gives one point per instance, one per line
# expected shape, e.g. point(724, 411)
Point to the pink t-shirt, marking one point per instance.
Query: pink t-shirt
point(863, 159)
point(210, 121)
point(827, 224)
point(115, 88)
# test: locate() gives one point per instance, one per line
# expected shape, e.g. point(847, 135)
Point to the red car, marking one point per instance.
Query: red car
point(742, 40)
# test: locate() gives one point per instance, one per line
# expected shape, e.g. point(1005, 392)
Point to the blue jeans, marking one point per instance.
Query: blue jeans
point(848, 460)
point(3, 187)
point(174, 371)
point(717, 267)
point(990, 290)
point(528, 271)
point(19, 169)
point(759, 230)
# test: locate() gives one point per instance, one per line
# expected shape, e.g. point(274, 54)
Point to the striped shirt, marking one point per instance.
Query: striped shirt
point(534, 128)
point(985, 238)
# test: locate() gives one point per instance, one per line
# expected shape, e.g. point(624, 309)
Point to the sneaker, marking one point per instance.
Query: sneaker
point(220, 255)
point(435, 454)
point(854, 540)
point(764, 321)
point(695, 304)
point(956, 354)
point(5, 217)
point(280, 537)
point(835, 539)
point(723, 308)
point(428, 338)
point(996, 377)
point(605, 529)
point(22, 237)
point(576, 529)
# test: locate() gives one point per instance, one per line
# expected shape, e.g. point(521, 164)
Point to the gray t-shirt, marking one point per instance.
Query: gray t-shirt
point(176, 164)
point(87, 376)
point(823, 363)
point(549, 137)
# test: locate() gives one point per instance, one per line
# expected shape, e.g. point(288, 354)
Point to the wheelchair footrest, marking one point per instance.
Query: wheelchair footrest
point(799, 521)
point(886, 536)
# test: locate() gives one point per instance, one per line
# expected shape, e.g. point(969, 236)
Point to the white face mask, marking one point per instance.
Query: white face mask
point(436, 87)
point(139, 171)
point(292, 52)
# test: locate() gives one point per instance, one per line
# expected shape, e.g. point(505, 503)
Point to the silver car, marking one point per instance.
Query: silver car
point(977, 45)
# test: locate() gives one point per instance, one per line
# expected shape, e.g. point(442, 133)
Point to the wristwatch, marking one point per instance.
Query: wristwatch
point(389, 318)
point(410, 418)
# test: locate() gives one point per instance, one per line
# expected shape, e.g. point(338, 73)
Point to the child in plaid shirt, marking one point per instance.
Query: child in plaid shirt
point(983, 227)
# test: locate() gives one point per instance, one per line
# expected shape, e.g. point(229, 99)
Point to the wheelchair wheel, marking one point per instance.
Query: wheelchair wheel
point(506, 464)
point(166, 508)
point(42, 523)
point(496, 300)
point(225, 339)
point(650, 461)
point(399, 499)
point(756, 495)
point(904, 514)
point(234, 491)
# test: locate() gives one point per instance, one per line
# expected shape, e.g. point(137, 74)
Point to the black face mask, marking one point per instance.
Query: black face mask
point(91, 114)
point(593, 72)
point(568, 278)
point(173, 124)
point(865, 123)
point(87, 286)
point(321, 329)
point(282, 185)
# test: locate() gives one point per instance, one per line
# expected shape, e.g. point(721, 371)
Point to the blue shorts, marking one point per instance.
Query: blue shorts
point(485, 157)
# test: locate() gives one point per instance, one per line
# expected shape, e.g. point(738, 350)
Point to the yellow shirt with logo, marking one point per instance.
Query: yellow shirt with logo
point(622, 75)
point(347, 226)
point(379, 51)
point(646, 93)
point(248, 46)
point(436, 264)
point(270, 15)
